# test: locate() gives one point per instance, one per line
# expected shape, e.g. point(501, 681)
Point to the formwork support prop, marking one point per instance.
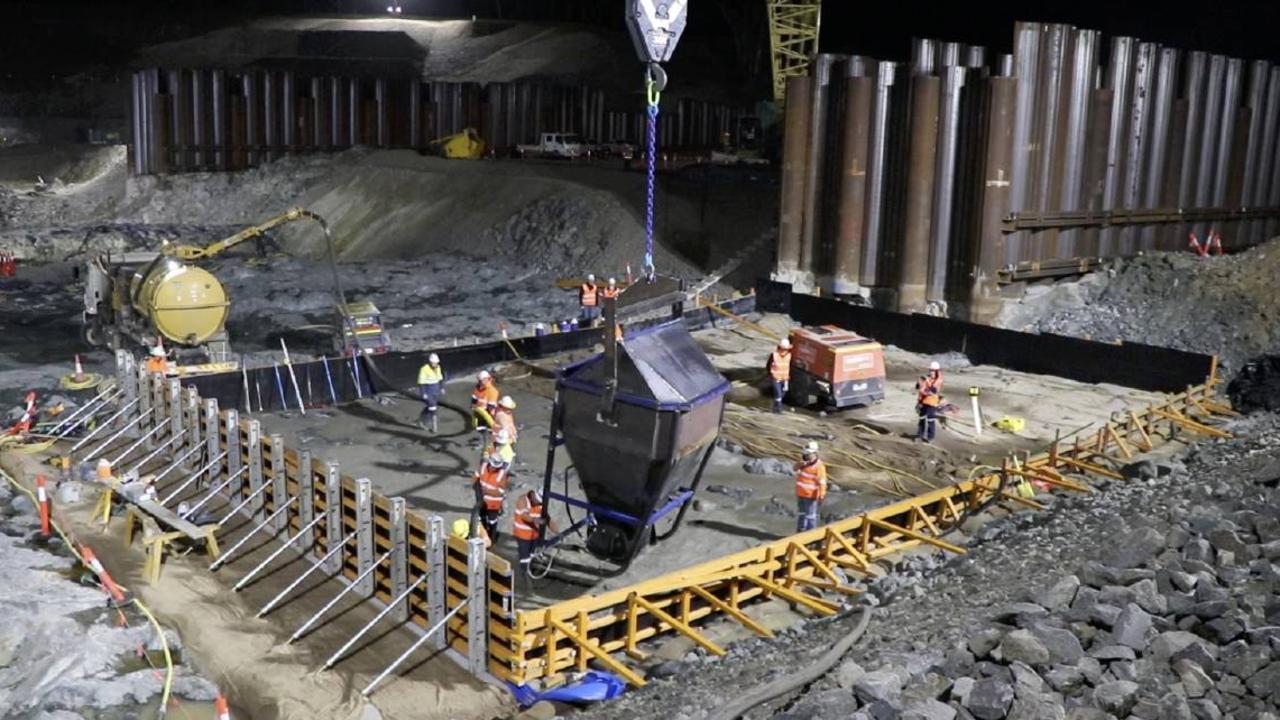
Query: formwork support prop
point(334, 551)
point(635, 603)
point(367, 572)
point(227, 555)
point(194, 477)
point(432, 631)
point(275, 554)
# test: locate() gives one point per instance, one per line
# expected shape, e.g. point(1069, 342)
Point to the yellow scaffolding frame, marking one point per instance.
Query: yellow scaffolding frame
point(793, 39)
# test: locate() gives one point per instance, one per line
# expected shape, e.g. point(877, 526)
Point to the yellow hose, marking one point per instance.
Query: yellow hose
point(91, 380)
point(164, 641)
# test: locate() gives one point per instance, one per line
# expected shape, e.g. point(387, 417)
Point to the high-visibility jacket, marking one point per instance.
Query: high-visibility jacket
point(589, 296)
point(609, 292)
point(811, 480)
point(930, 399)
point(485, 395)
point(932, 380)
point(527, 520)
point(493, 485)
point(504, 419)
point(430, 375)
point(780, 365)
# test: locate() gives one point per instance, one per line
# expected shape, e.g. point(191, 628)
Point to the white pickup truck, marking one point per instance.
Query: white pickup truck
point(565, 145)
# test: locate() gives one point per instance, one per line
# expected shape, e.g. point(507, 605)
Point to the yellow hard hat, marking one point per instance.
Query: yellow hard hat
point(460, 529)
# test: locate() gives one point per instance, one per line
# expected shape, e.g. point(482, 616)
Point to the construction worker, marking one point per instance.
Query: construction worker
point(491, 491)
point(811, 487)
point(526, 525)
point(589, 299)
point(611, 290)
point(780, 372)
point(484, 401)
point(156, 361)
point(461, 529)
point(431, 385)
point(928, 401)
point(504, 418)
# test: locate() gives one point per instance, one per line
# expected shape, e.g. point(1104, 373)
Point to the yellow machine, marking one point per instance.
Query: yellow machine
point(466, 145)
point(151, 296)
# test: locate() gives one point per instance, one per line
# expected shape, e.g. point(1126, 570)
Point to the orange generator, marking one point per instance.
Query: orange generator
point(839, 366)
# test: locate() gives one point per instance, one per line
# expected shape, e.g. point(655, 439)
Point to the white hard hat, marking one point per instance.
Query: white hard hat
point(131, 476)
point(507, 402)
point(934, 365)
point(495, 459)
point(434, 359)
point(184, 508)
point(157, 351)
point(104, 463)
point(811, 448)
point(613, 281)
point(483, 375)
point(785, 344)
point(591, 277)
point(536, 494)
point(502, 437)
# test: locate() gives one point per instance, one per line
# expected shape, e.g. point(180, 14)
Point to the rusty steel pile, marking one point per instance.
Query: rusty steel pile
point(912, 184)
point(219, 119)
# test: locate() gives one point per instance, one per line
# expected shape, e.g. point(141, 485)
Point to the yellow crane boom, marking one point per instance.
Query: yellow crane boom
point(193, 252)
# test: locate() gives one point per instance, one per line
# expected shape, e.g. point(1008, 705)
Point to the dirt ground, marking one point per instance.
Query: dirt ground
point(735, 508)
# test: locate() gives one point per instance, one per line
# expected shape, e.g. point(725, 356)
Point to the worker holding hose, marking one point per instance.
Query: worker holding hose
point(484, 401)
point(526, 525)
point(431, 385)
point(811, 487)
point(504, 418)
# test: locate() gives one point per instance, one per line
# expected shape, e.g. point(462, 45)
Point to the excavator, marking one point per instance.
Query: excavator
point(162, 298)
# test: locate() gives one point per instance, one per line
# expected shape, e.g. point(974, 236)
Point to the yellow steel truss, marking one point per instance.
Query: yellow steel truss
point(793, 39)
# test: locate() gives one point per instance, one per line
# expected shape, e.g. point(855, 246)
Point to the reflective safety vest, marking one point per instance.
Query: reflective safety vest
point(610, 292)
point(485, 395)
point(430, 375)
point(493, 485)
point(157, 364)
point(589, 298)
point(527, 520)
point(504, 419)
point(930, 398)
point(811, 481)
point(780, 365)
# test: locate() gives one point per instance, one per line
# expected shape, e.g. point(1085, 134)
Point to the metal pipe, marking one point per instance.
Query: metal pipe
point(1084, 61)
point(315, 566)
point(924, 56)
point(1120, 81)
point(1157, 154)
point(1026, 58)
point(105, 424)
point(950, 55)
point(369, 625)
point(174, 465)
point(921, 157)
point(877, 156)
point(97, 400)
point(353, 111)
point(270, 116)
point(276, 513)
point(975, 57)
point(1138, 137)
point(853, 185)
point(177, 125)
point(252, 116)
point(123, 429)
point(150, 434)
point(151, 455)
point(1251, 195)
point(794, 156)
point(218, 102)
point(195, 476)
point(135, 121)
point(417, 644)
point(811, 234)
point(199, 128)
point(380, 103)
point(948, 133)
point(276, 553)
point(214, 491)
point(415, 113)
point(984, 298)
point(1211, 107)
point(288, 113)
point(1226, 133)
point(329, 605)
point(243, 503)
point(1269, 174)
point(335, 112)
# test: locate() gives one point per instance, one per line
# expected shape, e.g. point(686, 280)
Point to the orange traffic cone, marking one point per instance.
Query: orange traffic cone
point(42, 497)
point(104, 577)
point(220, 709)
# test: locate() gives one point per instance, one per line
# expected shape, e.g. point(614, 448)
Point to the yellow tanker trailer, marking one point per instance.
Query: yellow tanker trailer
point(135, 299)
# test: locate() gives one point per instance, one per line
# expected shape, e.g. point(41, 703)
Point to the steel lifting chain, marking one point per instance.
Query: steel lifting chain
point(655, 80)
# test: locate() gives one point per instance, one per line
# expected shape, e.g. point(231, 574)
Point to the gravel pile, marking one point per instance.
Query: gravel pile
point(1158, 597)
point(1220, 305)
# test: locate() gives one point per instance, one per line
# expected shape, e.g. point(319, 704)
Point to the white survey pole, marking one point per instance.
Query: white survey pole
point(977, 411)
point(293, 376)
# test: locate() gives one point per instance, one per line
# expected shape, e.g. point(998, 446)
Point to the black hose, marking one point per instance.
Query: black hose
point(800, 678)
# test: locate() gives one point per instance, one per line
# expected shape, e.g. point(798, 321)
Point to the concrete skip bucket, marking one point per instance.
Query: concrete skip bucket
point(639, 422)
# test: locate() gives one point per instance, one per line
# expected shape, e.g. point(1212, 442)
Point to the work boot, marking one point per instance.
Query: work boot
point(777, 407)
point(435, 425)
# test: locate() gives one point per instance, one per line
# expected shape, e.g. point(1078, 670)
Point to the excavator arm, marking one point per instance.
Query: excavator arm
point(192, 252)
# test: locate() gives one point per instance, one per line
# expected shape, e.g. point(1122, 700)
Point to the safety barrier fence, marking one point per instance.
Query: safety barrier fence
point(573, 633)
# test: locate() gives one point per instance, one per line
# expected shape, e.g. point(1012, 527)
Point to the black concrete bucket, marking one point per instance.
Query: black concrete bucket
point(639, 448)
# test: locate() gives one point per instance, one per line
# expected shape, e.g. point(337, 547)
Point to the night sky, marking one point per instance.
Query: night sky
point(45, 38)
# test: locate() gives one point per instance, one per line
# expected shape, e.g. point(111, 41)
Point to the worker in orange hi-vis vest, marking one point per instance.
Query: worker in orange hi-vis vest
point(929, 402)
point(811, 487)
point(484, 401)
point(527, 525)
point(491, 491)
point(780, 372)
point(589, 299)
